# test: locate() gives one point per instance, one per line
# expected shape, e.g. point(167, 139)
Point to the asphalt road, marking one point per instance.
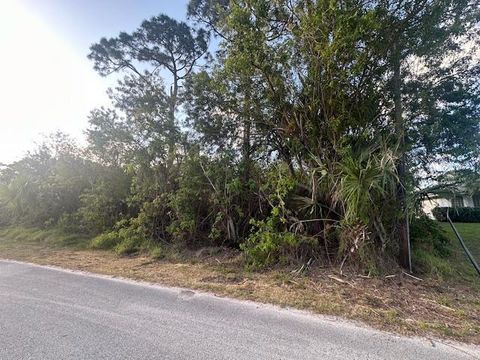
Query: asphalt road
point(53, 314)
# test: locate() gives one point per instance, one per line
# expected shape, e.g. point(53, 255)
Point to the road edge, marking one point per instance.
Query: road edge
point(468, 349)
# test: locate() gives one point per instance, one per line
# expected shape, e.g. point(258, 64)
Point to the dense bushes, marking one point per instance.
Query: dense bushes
point(290, 144)
point(275, 217)
point(128, 237)
point(105, 203)
point(210, 205)
point(268, 246)
point(461, 214)
point(428, 234)
point(58, 185)
point(430, 246)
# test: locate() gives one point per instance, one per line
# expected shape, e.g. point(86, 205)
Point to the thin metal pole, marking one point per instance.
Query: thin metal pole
point(470, 257)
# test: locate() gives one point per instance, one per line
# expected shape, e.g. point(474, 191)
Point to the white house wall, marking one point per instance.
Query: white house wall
point(429, 204)
point(468, 201)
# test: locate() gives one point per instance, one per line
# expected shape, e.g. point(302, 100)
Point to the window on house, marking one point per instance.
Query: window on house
point(457, 201)
point(476, 199)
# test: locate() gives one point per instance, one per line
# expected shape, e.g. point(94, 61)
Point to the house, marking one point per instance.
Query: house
point(462, 197)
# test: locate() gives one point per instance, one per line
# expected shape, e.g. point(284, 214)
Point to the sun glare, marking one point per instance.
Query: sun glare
point(45, 86)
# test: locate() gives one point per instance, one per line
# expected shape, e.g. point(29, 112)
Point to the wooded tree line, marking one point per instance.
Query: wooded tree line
point(305, 133)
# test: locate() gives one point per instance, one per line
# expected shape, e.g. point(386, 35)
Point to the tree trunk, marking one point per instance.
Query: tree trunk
point(171, 123)
point(403, 226)
point(246, 142)
point(246, 150)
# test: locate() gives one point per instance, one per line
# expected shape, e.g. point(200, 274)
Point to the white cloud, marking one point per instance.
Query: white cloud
point(44, 85)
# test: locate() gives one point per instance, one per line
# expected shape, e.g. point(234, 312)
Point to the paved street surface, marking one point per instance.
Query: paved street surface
point(53, 314)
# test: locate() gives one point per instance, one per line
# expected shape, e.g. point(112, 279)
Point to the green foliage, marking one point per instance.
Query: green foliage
point(272, 240)
point(458, 259)
point(366, 188)
point(430, 245)
point(128, 237)
point(464, 214)
point(106, 241)
point(267, 246)
point(367, 178)
point(211, 205)
point(131, 243)
point(289, 143)
point(431, 264)
point(429, 234)
point(39, 189)
point(304, 61)
point(192, 203)
point(59, 186)
point(105, 202)
point(53, 237)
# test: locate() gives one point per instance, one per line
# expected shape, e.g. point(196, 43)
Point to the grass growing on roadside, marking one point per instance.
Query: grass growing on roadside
point(51, 238)
point(447, 261)
point(124, 242)
point(426, 263)
point(395, 303)
point(461, 268)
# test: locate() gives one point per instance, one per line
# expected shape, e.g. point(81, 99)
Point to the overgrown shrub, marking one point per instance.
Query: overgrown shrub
point(128, 237)
point(213, 204)
point(268, 246)
point(287, 142)
point(461, 214)
point(69, 223)
point(106, 241)
point(427, 233)
point(430, 246)
point(154, 218)
point(192, 205)
point(280, 238)
point(104, 203)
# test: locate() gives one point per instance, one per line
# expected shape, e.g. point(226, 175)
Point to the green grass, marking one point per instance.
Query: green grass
point(40, 238)
point(461, 266)
point(124, 242)
point(456, 267)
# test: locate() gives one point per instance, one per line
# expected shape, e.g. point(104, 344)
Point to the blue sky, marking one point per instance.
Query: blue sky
point(48, 84)
point(84, 21)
